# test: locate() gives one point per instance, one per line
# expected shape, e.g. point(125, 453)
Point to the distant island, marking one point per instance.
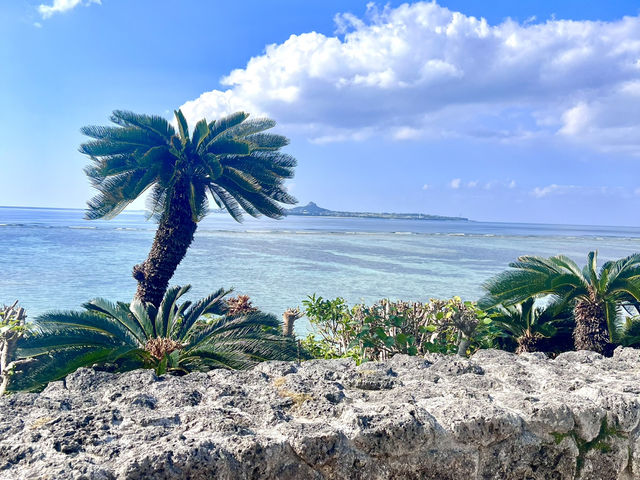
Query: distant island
point(313, 210)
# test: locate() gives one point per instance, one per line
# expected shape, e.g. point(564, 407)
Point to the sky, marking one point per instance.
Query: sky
point(523, 111)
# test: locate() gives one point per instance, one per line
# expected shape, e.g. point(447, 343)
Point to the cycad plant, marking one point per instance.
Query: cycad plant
point(232, 160)
point(594, 295)
point(531, 327)
point(173, 338)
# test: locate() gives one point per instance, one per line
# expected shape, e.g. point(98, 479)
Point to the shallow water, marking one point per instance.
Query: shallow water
point(53, 259)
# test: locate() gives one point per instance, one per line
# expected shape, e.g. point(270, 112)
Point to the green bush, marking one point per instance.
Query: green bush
point(385, 328)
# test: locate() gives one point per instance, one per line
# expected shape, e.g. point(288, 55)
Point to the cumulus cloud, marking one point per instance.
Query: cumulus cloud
point(455, 183)
point(421, 70)
point(60, 6)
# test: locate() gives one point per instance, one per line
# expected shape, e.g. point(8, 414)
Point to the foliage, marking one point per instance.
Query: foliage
point(231, 159)
point(594, 295)
point(527, 327)
point(176, 337)
point(628, 327)
point(385, 328)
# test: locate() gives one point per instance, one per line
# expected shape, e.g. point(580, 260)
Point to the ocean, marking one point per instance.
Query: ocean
point(52, 259)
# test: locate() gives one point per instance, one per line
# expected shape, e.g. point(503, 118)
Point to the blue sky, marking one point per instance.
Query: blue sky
point(501, 111)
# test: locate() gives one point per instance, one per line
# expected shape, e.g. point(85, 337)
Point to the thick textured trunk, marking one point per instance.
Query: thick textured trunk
point(173, 237)
point(529, 343)
point(591, 332)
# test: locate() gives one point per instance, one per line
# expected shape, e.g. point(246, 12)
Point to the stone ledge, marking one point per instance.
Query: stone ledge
point(494, 416)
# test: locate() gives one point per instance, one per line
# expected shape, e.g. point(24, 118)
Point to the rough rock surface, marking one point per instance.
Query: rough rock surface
point(494, 416)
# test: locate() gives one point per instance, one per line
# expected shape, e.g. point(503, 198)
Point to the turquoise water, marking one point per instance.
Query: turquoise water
point(53, 259)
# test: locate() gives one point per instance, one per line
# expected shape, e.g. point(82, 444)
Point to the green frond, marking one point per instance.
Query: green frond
point(118, 313)
point(214, 166)
point(151, 123)
point(228, 146)
point(57, 321)
point(144, 314)
point(183, 128)
point(38, 371)
point(104, 206)
point(200, 133)
point(222, 197)
point(258, 200)
point(250, 127)
point(156, 202)
point(221, 125)
point(166, 318)
point(209, 304)
point(266, 141)
point(242, 180)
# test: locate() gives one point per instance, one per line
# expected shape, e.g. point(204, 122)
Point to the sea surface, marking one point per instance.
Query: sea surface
point(52, 259)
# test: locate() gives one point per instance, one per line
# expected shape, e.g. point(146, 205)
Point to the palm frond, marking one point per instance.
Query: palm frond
point(118, 313)
point(183, 127)
point(166, 312)
point(221, 125)
point(151, 123)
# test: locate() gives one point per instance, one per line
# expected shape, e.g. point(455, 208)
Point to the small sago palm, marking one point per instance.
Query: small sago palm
point(528, 325)
point(231, 160)
point(594, 295)
point(175, 337)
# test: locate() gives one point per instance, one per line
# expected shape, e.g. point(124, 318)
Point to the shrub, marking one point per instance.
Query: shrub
point(385, 328)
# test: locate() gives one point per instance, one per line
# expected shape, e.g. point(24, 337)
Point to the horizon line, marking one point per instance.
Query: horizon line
point(27, 207)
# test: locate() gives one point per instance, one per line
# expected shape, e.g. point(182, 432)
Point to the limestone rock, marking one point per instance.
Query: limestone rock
point(494, 416)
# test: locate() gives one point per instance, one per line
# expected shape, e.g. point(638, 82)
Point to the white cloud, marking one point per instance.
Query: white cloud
point(512, 184)
point(472, 184)
point(540, 192)
point(554, 189)
point(610, 122)
point(60, 6)
point(455, 183)
point(426, 186)
point(421, 70)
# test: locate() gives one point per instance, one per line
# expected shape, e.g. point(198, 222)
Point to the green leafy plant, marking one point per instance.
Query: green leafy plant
point(456, 326)
point(232, 160)
point(595, 296)
point(175, 338)
point(533, 328)
point(385, 328)
point(332, 324)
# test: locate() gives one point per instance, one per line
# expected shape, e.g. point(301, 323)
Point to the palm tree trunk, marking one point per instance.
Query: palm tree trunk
point(529, 343)
point(173, 237)
point(591, 332)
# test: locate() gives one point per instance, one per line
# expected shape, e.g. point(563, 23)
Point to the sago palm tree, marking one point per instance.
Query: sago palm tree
point(175, 337)
point(232, 160)
point(530, 326)
point(594, 295)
